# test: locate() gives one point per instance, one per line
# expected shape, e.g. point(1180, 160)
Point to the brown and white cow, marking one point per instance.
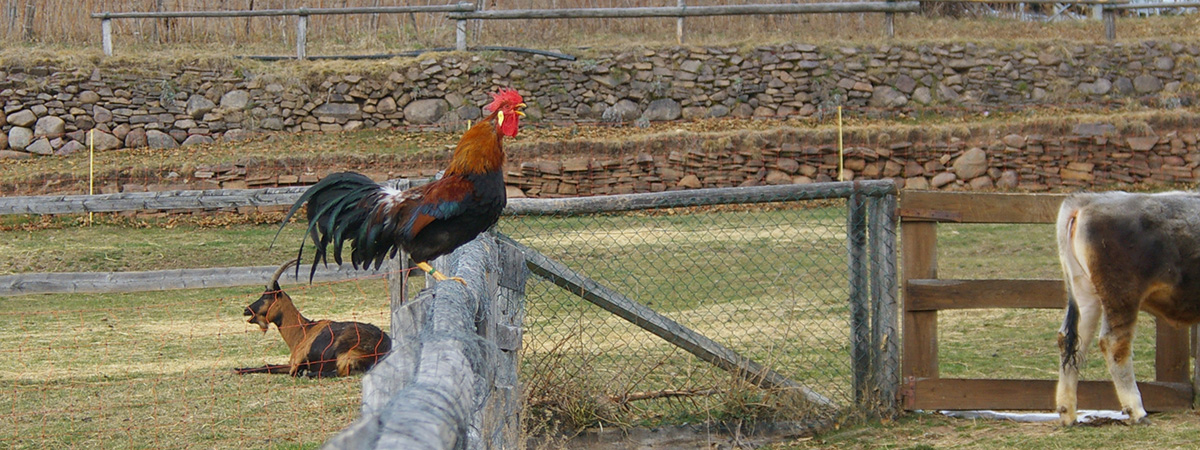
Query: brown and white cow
point(1122, 252)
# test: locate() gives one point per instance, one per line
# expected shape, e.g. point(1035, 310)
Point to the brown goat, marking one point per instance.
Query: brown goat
point(321, 348)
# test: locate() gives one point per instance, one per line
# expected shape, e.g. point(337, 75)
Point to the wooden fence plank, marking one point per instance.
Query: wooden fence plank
point(859, 296)
point(687, 11)
point(458, 7)
point(159, 280)
point(662, 326)
point(919, 260)
point(279, 196)
point(1171, 353)
point(963, 394)
point(150, 201)
point(167, 200)
point(973, 207)
point(939, 294)
point(885, 302)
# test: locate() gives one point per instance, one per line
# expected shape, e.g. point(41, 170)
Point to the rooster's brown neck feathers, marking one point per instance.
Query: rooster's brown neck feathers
point(479, 151)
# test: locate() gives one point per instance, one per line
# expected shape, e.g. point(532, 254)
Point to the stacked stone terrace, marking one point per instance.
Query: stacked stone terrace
point(49, 110)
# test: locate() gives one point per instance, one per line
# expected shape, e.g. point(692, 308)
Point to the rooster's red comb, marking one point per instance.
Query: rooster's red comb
point(504, 97)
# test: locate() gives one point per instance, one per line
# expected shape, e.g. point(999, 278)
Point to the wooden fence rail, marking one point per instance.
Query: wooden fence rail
point(188, 200)
point(301, 14)
point(925, 294)
point(889, 8)
point(150, 201)
point(463, 11)
point(185, 200)
point(159, 280)
point(1110, 13)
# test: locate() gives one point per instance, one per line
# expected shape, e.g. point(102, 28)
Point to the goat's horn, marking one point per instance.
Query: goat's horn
point(278, 272)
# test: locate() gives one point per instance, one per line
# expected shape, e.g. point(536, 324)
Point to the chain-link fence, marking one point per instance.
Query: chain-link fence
point(798, 280)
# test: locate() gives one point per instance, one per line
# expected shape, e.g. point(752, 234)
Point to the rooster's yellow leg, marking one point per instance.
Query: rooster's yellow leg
point(438, 275)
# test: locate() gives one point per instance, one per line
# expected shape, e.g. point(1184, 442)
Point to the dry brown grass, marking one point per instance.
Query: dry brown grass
point(68, 23)
point(153, 370)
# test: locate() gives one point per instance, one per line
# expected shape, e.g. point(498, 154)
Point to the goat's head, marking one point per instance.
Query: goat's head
point(263, 311)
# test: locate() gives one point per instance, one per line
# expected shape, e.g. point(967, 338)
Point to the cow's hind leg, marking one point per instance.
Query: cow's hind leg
point(1116, 342)
point(1074, 339)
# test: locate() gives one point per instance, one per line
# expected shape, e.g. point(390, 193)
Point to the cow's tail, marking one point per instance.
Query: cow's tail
point(1068, 335)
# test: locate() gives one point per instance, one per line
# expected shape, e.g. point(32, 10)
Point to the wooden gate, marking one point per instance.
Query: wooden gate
point(924, 294)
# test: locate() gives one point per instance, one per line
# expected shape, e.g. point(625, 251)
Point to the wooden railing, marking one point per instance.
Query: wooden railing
point(925, 294)
point(461, 12)
point(889, 8)
point(301, 14)
point(1110, 13)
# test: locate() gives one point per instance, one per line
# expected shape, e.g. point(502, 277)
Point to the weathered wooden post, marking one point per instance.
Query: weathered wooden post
point(1110, 24)
point(889, 22)
point(679, 24)
point(30, 9)
point(302, 35)
point(460, 35)
point(106, 36)
point(885, 351)
point(1195, 361)
point(860, 333)
point(450, 380)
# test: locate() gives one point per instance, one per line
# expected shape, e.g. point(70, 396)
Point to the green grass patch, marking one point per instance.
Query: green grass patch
point(152, 369)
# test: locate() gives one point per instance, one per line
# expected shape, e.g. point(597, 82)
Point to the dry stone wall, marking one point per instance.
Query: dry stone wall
point(49, 109)
point(1086, 156)
point(1092, 155)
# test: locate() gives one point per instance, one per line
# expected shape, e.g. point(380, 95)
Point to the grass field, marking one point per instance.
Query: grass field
point(152, 369)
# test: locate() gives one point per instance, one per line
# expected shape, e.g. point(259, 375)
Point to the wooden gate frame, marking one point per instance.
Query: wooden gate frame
point(924, 294)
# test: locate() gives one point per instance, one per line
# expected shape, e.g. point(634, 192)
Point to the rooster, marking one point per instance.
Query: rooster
point(426, 221)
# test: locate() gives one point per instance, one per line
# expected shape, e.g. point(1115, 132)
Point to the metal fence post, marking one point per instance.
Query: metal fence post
point(302, 35)
point(106, 36)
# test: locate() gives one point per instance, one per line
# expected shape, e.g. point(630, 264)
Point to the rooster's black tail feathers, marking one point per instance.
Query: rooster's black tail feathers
point(336, 212)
